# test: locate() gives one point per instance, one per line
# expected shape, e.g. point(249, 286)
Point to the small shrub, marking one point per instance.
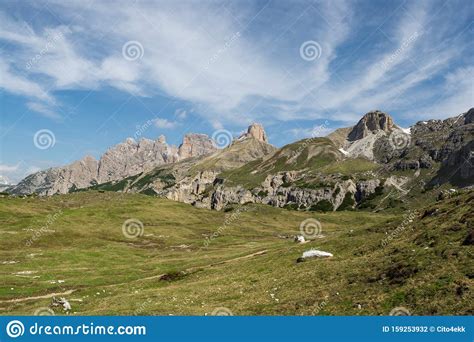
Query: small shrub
point(323, 205)
point(347, 202)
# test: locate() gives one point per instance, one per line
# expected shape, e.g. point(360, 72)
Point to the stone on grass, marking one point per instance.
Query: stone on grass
point(299, 239)
point(314, 253)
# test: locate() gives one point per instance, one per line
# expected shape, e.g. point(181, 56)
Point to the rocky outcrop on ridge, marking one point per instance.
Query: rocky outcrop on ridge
point(257, 132)
point(371, 122)
point(195, 145)
point(123, 160)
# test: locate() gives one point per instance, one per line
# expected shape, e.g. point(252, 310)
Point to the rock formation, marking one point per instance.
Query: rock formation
point(130, 158)
point(121, 161)
point(4, 183)
point(371, 122)
point(257, 132)
point(195, 145)
point(292, 177)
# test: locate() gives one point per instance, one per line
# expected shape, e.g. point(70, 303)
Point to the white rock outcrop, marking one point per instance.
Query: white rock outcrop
point(314, 253)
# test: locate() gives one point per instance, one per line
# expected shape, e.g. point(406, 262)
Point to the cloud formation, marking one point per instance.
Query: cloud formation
point(241, 62)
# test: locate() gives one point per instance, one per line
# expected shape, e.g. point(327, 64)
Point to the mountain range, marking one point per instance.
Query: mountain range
point(347, 169)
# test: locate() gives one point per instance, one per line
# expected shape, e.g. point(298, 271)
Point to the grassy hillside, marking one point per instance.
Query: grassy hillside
point(233, 156)
point(73, 244)
point(308, 155)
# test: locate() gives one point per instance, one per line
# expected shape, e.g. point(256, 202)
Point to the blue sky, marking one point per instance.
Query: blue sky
point(94, 72)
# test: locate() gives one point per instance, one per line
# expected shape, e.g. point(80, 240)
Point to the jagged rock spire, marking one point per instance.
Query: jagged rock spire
point(257, 132)
point(372, 122)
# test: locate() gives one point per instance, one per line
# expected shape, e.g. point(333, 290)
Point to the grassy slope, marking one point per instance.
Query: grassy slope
point(424, 269)
point(308, 154)
point(233, 156)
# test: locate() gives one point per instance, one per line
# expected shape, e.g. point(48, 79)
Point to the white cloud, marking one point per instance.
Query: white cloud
point(234, 74)
point(17, 84)
point(180, 113)
point(8, 168)
point(43, 110)
point(164, 123)
point(14, 173)
point(455, 98)
point(312, 132)
point(8, 173)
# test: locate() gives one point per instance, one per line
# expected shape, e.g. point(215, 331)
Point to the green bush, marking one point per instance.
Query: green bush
point(347, 202)
point(323, 205)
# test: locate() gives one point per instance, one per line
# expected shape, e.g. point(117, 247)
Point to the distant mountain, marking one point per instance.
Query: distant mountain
point(4, 180)
point(188, 180)
point(373, 164)
point(361, 139)
point(361, 166)
point(446, 145)
point(4, 183)
point(122, 160)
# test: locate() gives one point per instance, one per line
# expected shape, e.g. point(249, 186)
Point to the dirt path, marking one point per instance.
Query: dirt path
point(51, 295)
point(238, 258)
point(17, 300)
point(157, 276)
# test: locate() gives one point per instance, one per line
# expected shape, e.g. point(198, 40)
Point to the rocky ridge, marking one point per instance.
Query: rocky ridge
point(295, 189)
point(4, 183)
point(372, 122)
point(343, 171)
point(257, 132)
point(123, 160)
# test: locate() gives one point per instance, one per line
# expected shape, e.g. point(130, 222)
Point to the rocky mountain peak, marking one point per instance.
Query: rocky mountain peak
point(130, 141)
point(4, 180)
point(372, 122)
point(195, 144)
point(4, 183)
point(257, 132)
point(469, 116)
point(88, 159)
point(161, 139)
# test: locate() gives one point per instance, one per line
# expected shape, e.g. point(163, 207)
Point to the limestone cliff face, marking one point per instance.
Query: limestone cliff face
point(207, 190)
point(257, 132)
point(425, 145)
point(195, 145)
point(198, 173)
point(4, 183)
point(80, 174)
point(371, 122)
point(130, 158)
point(123, 160)
point(428, 143)
point(363, 139)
